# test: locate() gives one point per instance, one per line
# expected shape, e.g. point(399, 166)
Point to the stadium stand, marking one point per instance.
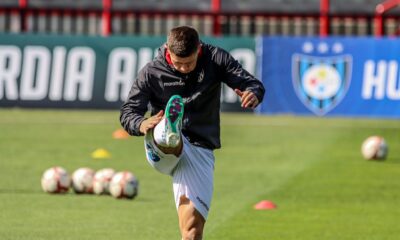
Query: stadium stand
point(271, 6)
point(62, 4)
point(9, 3)
point(211, 17)
point(357, 7)
point(163, 5)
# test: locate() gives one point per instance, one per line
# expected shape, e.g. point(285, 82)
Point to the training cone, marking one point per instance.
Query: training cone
point(265, 205)
point(100, 153)
point(120, 134)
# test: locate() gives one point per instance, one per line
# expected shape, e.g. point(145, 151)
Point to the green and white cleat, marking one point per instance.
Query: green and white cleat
point(173, 118)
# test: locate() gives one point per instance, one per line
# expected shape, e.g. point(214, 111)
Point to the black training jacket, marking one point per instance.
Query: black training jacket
point(201, 90)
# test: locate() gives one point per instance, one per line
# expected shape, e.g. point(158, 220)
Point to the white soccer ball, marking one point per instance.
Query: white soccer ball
point(101, 181)
point(56, 180)
point(82, 180)
point(124, 185)
point(374, 148)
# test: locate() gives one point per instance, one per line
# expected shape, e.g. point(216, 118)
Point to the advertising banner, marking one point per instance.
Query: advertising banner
point(331, 76)
point(88, 72)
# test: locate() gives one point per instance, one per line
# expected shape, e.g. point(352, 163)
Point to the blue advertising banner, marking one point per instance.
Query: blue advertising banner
point(331, 76)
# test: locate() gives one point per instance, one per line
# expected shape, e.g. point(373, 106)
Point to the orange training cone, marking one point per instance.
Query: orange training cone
point(120, 134)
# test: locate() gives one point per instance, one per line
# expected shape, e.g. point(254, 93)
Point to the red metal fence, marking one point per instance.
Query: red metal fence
point(104, 20)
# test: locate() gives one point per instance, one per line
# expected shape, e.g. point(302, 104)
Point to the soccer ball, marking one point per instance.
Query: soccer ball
point(374, 148)
point(82, 180)
point(124, 185)
point(56, 180)
point(101, 181)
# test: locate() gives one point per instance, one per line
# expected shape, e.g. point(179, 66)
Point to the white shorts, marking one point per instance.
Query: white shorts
point(192, 172)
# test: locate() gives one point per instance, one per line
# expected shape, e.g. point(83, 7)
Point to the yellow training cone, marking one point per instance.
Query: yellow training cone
point(101, 153)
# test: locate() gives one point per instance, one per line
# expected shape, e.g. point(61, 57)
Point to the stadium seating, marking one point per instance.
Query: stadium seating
point(271, 6)
point(162, 5)
point(62, 4)
point(9, 3)
point(357, 7)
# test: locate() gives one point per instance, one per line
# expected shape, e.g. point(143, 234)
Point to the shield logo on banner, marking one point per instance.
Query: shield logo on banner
point(321, 82)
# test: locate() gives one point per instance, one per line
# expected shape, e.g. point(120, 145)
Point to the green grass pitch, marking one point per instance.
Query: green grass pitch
point(310, 167)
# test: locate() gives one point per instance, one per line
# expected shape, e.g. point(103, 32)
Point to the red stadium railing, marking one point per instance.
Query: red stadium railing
point(379, 11)
point(106, 17)
point(216, 8)
point(324, 18)
point(106, 20)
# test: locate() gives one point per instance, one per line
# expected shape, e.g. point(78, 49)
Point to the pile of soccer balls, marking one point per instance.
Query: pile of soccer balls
point(85, 180)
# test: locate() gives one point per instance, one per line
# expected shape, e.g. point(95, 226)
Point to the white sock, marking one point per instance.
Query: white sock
point(159, 133)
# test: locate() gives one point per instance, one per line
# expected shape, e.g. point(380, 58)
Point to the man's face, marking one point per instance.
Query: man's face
point(184, 64)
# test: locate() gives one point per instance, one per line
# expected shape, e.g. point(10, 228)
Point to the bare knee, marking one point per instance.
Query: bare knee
point(191, 222)
point(194, 233)
point(193, 229)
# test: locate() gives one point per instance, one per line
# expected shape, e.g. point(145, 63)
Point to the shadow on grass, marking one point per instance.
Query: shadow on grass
point(393, 161)
point(386, 161)
point(20, 191)
point(73, 194)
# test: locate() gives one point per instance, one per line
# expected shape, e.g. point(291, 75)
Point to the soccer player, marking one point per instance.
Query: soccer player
point(182, 87)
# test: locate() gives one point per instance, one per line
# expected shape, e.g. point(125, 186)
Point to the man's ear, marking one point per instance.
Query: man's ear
point(199, 51)
point(168, 56)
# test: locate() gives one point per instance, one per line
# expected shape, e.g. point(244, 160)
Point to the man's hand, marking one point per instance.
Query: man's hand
point(151, 122)
point(248, 99)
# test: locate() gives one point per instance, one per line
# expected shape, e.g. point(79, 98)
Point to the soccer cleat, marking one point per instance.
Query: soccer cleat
point(173, 118)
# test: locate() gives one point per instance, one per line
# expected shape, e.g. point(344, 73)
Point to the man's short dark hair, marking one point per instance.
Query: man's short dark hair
point(183, 41)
